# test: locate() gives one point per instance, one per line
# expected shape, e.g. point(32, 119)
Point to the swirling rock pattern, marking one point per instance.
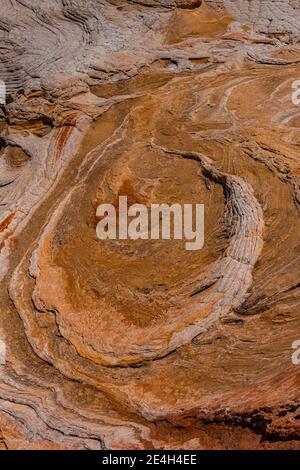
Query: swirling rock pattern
point(142, 344)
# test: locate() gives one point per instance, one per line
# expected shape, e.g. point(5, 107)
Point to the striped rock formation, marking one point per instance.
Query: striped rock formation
point(142, 344)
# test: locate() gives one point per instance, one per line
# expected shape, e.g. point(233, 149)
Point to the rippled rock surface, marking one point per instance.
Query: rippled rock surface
point(142, 344)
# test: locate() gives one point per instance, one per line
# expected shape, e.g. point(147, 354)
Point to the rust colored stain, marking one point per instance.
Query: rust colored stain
point(126, 189)
point(64, 133)
point(62, 138)
point(5, 223)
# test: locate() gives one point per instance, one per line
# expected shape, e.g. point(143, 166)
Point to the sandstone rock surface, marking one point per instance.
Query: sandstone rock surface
point(145, 345)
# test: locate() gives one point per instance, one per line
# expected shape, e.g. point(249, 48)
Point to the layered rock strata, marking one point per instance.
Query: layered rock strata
point(123, 344)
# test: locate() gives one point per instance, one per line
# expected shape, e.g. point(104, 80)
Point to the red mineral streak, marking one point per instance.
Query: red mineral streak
point(6, 222)
point(64, 134)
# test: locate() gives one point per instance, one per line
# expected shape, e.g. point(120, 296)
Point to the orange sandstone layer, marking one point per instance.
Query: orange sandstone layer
point(143, 344)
